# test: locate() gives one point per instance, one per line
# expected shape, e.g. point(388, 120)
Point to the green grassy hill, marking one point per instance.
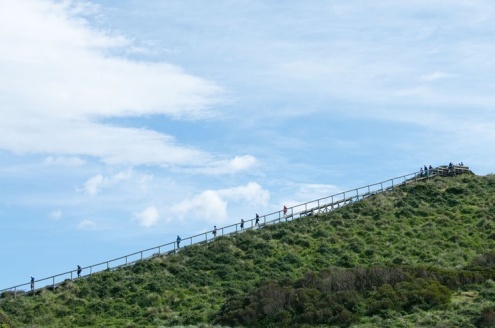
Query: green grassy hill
point(422, 255)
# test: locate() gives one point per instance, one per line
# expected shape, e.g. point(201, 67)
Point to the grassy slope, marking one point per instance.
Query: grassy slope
point(446, 223)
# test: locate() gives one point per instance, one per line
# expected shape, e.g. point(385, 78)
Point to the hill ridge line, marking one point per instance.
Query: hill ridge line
point(302, 210)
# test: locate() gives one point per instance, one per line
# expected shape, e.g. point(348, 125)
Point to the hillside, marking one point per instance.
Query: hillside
point(421, 255)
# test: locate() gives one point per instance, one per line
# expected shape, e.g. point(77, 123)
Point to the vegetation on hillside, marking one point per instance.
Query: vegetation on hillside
point(421, 255)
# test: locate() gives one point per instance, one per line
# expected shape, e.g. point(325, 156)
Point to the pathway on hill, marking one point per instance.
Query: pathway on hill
point(321, 205)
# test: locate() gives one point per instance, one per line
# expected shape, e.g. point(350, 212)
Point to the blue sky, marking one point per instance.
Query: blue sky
point(124, 123)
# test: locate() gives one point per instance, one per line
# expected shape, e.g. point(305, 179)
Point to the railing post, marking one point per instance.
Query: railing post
point(53, 282)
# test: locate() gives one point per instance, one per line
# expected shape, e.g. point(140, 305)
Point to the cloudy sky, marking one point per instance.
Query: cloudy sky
point(124, 123)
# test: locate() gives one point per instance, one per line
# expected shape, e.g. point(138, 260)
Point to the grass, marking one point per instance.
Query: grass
point(440, 233)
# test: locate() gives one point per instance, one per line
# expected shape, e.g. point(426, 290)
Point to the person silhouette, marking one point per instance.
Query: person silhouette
point(242, 223)
point(214, 231)
point(79, 269)
point(32, 284)
point(257, 222)
point(178, 241)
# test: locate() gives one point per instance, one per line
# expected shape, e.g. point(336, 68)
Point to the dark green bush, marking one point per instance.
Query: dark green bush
point(423, 293)
point(486, 318)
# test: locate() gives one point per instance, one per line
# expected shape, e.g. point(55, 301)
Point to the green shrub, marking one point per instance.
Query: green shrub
point(486, 318)
point(423, 293)
point(5, 321)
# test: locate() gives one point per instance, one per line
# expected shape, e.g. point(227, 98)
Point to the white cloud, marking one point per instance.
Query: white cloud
point(212, 204)
point(95, 184)
point(308, 192)
point(208, 205)
point(235, 165)
point(251, 193)
point(434, 76)
point(148, 217)
point(56, 215)
point(59, 77)
point(86, 224)
point(64, 161)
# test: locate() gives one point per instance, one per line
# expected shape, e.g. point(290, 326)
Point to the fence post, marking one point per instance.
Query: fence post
point(53, 282)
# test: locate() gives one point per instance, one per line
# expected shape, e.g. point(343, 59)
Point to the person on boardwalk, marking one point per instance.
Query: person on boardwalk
point(242, 223)
point(79, 270)
point(214, 231)
point(257, 222)
point(178, 241)
point(32, 284)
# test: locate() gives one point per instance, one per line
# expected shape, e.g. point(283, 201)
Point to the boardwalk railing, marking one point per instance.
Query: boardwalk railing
point(321, 205)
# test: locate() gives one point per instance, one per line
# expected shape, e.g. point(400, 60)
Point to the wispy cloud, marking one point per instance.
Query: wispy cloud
point(148, 217)
point(56, 215)
point(230, 166)
point(59, 78)
point(86, 225)
point(434, 76)
point(64, 161)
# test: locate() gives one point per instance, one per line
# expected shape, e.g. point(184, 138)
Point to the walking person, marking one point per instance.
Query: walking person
point(214, 231)
point(32, 284)
point(285, 213)
point(242, 224)
point(257, 222)
point(79, 270)
point(178, 241)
